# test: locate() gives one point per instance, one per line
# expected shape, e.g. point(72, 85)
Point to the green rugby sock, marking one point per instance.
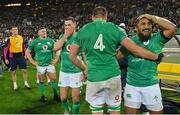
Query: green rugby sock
point(41, 88)
point(75, 108)
point(54, 87)
point(66, 105)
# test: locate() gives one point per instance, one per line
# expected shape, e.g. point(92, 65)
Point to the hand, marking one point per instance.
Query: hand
point(53, 62)
point(25, 57)
point(67, 32)
point(148, 16)
point(34, 63)
point(84, 75)
point(6, 61)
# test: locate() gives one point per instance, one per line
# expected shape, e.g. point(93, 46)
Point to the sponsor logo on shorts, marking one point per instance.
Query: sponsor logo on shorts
point(128, 95)
point(156, 98)
point(117, 98)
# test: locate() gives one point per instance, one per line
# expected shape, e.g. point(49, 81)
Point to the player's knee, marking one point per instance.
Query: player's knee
point(96, 109)
point(63, 99)
point(114, 108)
point(75, 99)
point(24, 70)
point(52, 79)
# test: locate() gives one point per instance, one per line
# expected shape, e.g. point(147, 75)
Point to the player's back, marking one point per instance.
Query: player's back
point(99, 41)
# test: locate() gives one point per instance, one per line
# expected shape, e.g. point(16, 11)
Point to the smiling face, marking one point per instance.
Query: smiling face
point(144, 28)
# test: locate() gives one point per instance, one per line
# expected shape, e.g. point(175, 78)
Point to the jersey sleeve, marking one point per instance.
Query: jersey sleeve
point(60, 36)
point(161, 38)
point(79, 38)
point(121, 34)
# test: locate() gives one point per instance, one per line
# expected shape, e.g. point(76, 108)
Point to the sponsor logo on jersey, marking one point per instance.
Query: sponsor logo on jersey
point(44, 47)
point(39, 43)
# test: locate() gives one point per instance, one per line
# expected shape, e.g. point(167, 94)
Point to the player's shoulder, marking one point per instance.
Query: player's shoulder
point(114, 26)
point(85, 29)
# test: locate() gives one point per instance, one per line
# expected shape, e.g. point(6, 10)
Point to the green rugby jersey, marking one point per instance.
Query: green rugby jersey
point(142, 72)
point(99, 40)
point(65, 64)
point(43, 49)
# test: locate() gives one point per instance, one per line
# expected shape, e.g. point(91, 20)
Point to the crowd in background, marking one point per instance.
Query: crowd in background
point(52, 15)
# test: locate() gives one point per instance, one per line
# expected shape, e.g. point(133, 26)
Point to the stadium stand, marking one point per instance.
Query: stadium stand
point(52, 13)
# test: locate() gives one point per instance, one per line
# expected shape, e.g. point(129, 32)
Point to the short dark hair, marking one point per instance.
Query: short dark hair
point(100, 11)
point(138, 19)
point(71, 18)
point(40, 28)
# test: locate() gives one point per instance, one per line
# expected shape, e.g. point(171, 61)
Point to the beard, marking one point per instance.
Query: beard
point(144, 37)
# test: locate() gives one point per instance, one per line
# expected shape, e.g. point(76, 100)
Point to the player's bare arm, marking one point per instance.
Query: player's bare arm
point(139, 51)
point(73, 56)
point(28, 54)
point(56, 58)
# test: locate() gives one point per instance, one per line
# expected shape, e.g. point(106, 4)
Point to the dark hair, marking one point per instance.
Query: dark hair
point(41, 27)
point(71, 18)
point(100, 11)
point(138, 19)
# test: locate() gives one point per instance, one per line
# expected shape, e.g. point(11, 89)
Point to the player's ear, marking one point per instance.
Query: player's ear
point(92, 17)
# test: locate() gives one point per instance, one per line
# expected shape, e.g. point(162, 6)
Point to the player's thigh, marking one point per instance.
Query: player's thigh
point(64, 79)
point(63, 92)
point(12, 63)
point(132, 96)
point(41, 71)
point(95, 93)
point(21, 63)
point(75, 94)
point(75, 80)
point(152, 98)
point(113, 92)
point(51, 69)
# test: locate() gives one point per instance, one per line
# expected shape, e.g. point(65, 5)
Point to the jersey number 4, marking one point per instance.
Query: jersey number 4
point(99, 43)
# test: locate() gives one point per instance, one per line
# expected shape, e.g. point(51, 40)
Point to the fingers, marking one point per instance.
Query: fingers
point(148, 16)
point(67, 32)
